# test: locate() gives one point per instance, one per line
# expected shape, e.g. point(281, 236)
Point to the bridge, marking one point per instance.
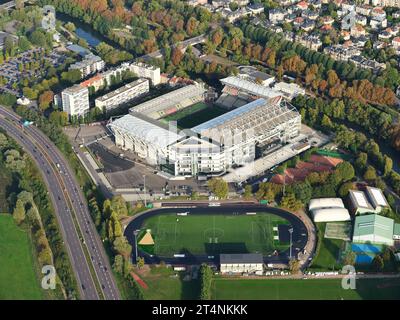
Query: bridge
point(182, 44)
point(9, 5)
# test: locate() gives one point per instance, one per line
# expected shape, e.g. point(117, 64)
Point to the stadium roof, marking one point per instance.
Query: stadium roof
point(255, 118)
point(240, 258)
point(147, 131)
point(376, 196)
point(373, 224)
point(250, 87)
point(168, 100)
point(359, 199)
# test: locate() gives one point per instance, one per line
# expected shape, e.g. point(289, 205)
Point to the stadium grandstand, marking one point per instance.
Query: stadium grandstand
point(266, 121)
point(238, 91)
point(171, 102)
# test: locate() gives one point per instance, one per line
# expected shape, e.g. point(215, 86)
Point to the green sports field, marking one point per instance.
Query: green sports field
point(194, 115)
point(213, 234)
point(318, 289)
point(17, 271)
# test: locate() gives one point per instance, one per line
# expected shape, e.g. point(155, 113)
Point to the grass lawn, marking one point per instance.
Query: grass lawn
point(195, 115)
point(328, 252)
point(214, 234)
point(5, 181)
point(17, 271)
point(319, 289)
point(163, 285)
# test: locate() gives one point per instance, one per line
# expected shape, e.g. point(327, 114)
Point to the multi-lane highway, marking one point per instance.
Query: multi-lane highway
point(78, 230)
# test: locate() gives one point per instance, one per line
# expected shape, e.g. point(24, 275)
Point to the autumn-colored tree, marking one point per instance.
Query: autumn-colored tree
point(177, 56)
point(45, 99)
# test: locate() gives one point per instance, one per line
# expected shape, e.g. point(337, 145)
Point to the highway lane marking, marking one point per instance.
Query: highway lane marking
point(30, 143)
point(52, 152)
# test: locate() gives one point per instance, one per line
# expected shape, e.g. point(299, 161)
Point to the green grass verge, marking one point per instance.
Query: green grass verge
point(17, 267)
point(318, 289)
point(328, 251)
point(214, 234)
point(163, 285)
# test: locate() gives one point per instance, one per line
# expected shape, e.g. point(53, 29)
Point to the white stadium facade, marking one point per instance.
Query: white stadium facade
point(214, 147)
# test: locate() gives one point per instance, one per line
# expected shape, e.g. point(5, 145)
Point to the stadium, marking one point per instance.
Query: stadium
point(231, 139)
point(196, 235)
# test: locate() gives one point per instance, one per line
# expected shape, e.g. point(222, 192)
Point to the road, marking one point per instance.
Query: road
point(71, 209)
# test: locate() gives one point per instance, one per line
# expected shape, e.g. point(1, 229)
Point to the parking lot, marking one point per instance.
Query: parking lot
point(10, 69)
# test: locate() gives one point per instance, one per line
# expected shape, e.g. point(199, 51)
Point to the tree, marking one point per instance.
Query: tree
point(350, 258)
point(290, 202)
point(205, 282)
point(219, 187)
point(344, 171)
point(118, 265)
point(361, 162)
point(118, 205)
point(45, 99)
point(370, 174)
point(294, 266)
point(19, 212)
point(140, 262)
point(377, 263)
point(122, 247)
point(247, 192)
point(344, 189)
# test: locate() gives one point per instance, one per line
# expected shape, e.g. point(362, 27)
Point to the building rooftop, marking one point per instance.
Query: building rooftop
point(252, 119)
point(240, 258)
point(376, 196)
point(359, 199)
point(122, 89)
point(249, 86)
point(149, 131)
point(373, 224)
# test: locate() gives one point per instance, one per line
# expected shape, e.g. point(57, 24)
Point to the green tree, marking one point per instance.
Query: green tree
point(19, 212)
point(205, 282)
point(344, 171)
point(370, 174)
point(349, 258)
point(219, 187)
point(294, 266)
point(247, 192)
point(122, 246)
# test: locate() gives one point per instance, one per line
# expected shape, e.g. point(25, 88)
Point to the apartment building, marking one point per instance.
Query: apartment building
point(75, 100)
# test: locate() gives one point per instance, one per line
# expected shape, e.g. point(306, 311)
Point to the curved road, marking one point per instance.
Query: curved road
point(70, 208)
point(299, 237)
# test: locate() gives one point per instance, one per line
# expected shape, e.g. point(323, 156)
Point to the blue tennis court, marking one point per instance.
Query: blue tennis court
point(365, 248)
point(364, 259)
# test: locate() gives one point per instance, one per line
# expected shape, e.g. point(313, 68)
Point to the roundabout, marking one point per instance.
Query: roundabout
point(187, 235)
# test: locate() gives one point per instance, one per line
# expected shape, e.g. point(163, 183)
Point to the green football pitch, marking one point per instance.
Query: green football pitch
point(214, 234)
point(315, 289)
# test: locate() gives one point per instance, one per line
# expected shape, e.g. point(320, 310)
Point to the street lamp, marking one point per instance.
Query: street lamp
point(135, 233)
point(144, 189)
point(290, 252)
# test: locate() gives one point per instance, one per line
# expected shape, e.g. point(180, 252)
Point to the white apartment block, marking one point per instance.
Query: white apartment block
point(143, 70)
point(89, 65)
point(123, 95)
point(75, 100)
point(386, 3)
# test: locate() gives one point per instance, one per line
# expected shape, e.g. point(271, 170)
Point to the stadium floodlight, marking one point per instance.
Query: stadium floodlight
point(290, 250)
point(135, 233)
